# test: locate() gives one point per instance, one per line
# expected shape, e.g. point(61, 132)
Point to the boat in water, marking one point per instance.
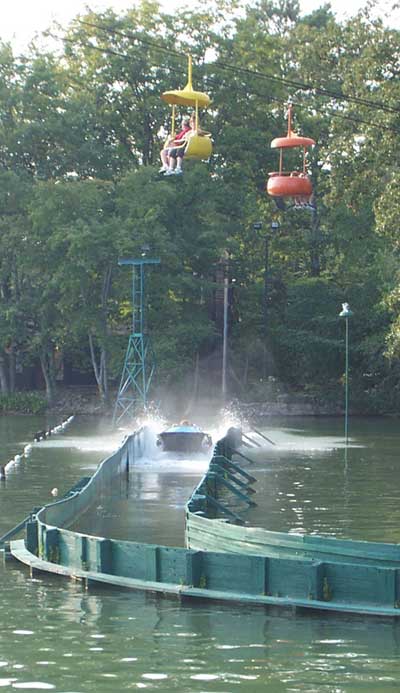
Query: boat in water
point(184, 437)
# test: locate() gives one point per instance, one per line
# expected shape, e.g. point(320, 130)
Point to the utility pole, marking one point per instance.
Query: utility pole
point(225, 334)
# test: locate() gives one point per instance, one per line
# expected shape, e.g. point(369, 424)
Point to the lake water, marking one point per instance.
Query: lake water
point(56, 636)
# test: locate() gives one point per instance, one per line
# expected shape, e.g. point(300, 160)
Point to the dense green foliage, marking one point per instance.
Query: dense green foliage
point(23, 403)
point(79, 188)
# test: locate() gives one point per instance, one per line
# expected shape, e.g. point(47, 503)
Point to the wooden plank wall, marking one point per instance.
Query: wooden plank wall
point(222, 557)
point(208, 529)
point(306, 579)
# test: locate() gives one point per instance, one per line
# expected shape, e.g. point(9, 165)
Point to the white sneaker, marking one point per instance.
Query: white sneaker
point(163, 169)
point(169, 172)
point(178, 171)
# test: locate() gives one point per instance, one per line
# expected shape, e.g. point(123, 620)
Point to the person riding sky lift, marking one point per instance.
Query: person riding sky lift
point(174, 142)
point(177, 152)
point(196, 143)
point(294, 185)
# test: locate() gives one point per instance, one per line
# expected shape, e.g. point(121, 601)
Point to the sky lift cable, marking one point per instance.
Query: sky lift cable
point(261, 75)
point(140, 39)
point(357, 121)
point(110, 51)
point(309, 87)
point(281, 80)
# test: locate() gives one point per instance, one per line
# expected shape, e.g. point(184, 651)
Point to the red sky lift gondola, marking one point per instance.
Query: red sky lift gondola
point(293, 185)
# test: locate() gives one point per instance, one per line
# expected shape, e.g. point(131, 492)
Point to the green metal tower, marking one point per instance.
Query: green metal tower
point(139, 362)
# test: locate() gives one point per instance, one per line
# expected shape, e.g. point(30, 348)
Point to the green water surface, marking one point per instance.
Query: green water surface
point(55, 636)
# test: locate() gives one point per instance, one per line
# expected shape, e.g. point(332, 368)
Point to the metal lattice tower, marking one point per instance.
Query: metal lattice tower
point(139, 364)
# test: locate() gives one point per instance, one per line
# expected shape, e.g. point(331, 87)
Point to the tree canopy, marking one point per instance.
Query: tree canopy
point(81, 128)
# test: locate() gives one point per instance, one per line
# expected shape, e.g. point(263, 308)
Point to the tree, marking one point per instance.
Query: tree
point(76, 221)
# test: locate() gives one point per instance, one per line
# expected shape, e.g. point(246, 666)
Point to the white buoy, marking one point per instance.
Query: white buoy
point(17, 458)
point(54, 492)
point(28, 449)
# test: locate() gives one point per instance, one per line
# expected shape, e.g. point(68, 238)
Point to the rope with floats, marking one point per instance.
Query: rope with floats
point(38, 437)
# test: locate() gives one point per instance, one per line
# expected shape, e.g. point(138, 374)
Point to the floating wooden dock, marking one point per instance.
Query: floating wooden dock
point(225, 559)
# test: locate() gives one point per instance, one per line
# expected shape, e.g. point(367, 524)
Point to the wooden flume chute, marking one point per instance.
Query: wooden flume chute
point(294, 185)
point(198, 143)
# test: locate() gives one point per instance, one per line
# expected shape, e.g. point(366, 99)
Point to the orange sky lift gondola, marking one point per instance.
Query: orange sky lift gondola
point(199, 145)
point(292, 185)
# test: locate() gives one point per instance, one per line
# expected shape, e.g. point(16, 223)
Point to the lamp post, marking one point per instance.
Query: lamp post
point(346, 313)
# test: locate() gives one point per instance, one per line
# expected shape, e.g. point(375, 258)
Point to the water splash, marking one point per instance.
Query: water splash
point(98, 443)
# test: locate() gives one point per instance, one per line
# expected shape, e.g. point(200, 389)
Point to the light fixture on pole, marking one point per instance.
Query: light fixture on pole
point(346, 313)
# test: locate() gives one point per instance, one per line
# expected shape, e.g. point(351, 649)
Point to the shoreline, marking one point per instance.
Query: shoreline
point(84, 400)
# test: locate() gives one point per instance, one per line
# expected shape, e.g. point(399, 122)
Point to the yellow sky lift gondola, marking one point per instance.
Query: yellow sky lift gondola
point(198, 143)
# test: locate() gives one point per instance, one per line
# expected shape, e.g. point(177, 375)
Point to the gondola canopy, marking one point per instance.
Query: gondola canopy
point(294, 184)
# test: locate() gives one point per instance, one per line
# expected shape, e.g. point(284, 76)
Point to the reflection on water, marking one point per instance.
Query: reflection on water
point(313, 484)
point(108, 641)
point(149, 506)
point(306, 483)
point(56, 636)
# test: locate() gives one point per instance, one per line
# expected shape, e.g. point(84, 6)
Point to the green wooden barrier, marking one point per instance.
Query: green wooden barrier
point(223, 560)
point(368, 589)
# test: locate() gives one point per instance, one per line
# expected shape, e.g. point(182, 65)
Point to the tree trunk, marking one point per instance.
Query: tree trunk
point(315, 259)
point(236, 378)
point(47, 364)
point(11, 369)
point(103, 380)
point(99, 369)
point(99, 363)
point(195, 389)
point(3, 375)
point(246, 369)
